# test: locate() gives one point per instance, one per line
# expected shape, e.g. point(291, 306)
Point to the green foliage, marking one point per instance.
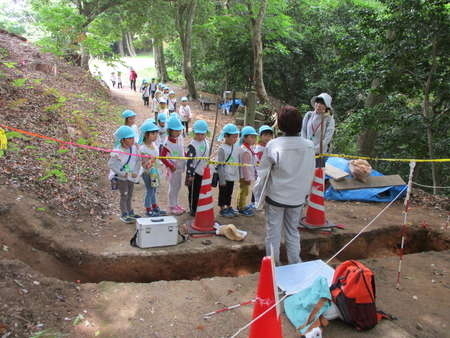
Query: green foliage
point(59, 174)
point(19, 82)
point(16, 135)
point(9, 64)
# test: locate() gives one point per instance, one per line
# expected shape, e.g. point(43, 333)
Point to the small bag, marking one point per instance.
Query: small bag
point(114, 183)
point(215, 177)
point(353, 292)
point(114, 180)
point(154, 177)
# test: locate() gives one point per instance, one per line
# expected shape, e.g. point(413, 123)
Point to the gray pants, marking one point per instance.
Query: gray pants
point(283, 219)
point(126, 193)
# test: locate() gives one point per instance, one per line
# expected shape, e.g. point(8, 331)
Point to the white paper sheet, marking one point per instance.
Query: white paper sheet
point(296, 277)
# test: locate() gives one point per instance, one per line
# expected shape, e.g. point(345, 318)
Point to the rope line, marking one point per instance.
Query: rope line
point(207, 158)
point(430, 186)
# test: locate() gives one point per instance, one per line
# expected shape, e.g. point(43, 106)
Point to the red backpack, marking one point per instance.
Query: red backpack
point(353, 292)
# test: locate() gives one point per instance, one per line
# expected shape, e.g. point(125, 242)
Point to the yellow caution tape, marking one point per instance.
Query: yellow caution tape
point(3, 139)
point(386, 159)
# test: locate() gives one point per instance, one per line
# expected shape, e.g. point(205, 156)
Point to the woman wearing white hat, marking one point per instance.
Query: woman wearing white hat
point(318, 125)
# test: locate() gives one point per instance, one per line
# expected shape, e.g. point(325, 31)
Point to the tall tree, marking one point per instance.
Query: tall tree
point(184, 18)
point(256, 14)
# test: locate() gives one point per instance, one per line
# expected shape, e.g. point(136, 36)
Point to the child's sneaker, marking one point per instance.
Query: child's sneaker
point(175, 211)
point(181, 208)
point(133, 215)
point(234, 211)
point(246, 212)
point(226, 213)
point(158, 212)
point(149, 213)
point(127, 219)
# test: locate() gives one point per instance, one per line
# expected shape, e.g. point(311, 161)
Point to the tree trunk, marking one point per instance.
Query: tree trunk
point(184, 20)
point(120, 47)
point(160, 64)
point(257, 47)
point(130, 46)
point(84, 58)
point(368, 137)
point(427, 111)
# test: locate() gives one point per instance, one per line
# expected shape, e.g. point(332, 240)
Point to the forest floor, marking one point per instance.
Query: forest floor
point(70, 271)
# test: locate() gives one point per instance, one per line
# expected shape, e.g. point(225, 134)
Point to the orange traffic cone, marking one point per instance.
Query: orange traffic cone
point(315, 212)
point(269, 325)
point(204, 217)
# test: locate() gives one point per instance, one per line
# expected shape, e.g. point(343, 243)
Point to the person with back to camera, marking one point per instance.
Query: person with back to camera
point(133, 77)
point(284, 180)
point(319, 125)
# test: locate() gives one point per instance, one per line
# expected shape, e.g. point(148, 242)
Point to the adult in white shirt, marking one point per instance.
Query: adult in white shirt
point(284, 180)
point(318, 125)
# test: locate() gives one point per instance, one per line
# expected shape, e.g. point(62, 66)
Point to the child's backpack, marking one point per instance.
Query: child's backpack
point(353, 292)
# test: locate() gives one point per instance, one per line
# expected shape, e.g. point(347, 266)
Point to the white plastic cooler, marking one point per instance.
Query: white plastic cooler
point(156, 231)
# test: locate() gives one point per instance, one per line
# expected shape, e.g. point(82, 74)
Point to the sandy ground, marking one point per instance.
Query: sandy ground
point(175, 309)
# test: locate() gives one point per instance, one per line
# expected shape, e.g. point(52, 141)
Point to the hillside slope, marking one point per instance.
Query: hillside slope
point(42, 94)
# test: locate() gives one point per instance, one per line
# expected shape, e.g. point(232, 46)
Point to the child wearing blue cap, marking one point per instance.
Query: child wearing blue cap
point(155, 104)
point(198, 147)
point(265, 135)
point(124, 170)
point(173, 146)
point(171, 102)
point(228, 174)
point(247, 157)
point(150, 175)
point(162, 134)
point(130, 119)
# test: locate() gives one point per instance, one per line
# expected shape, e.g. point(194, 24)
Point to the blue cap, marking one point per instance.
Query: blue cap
point(162, 117)
point(176, 115)
point(247, 130)
point(123, 132)
point(264, 128)
point(128, 113)
point(147, 126)
point(229, 128)
point(200, 127)
point(174, 123)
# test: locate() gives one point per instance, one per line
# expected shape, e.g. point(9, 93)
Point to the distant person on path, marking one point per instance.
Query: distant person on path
point(153, 87)
point(155, 104)
point(113, 79)
point(133, 77)
point(172, 102)
point(185, 113)
point(145, 90)
point(119, 80)
point(198, 147)
point(124, 170)
point(319, 125)
point(284, 180)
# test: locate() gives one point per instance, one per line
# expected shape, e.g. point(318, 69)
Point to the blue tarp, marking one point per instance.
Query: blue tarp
point(384, 194)
point(227, 105)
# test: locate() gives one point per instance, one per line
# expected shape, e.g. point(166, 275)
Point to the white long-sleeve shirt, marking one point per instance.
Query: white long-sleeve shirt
point(288, 165)
point(311, 130)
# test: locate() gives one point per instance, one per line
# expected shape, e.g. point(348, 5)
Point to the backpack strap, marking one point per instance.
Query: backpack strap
point(133, 240)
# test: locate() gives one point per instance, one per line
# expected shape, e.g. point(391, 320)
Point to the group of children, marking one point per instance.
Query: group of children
point(135, 155)
point(116, 79)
